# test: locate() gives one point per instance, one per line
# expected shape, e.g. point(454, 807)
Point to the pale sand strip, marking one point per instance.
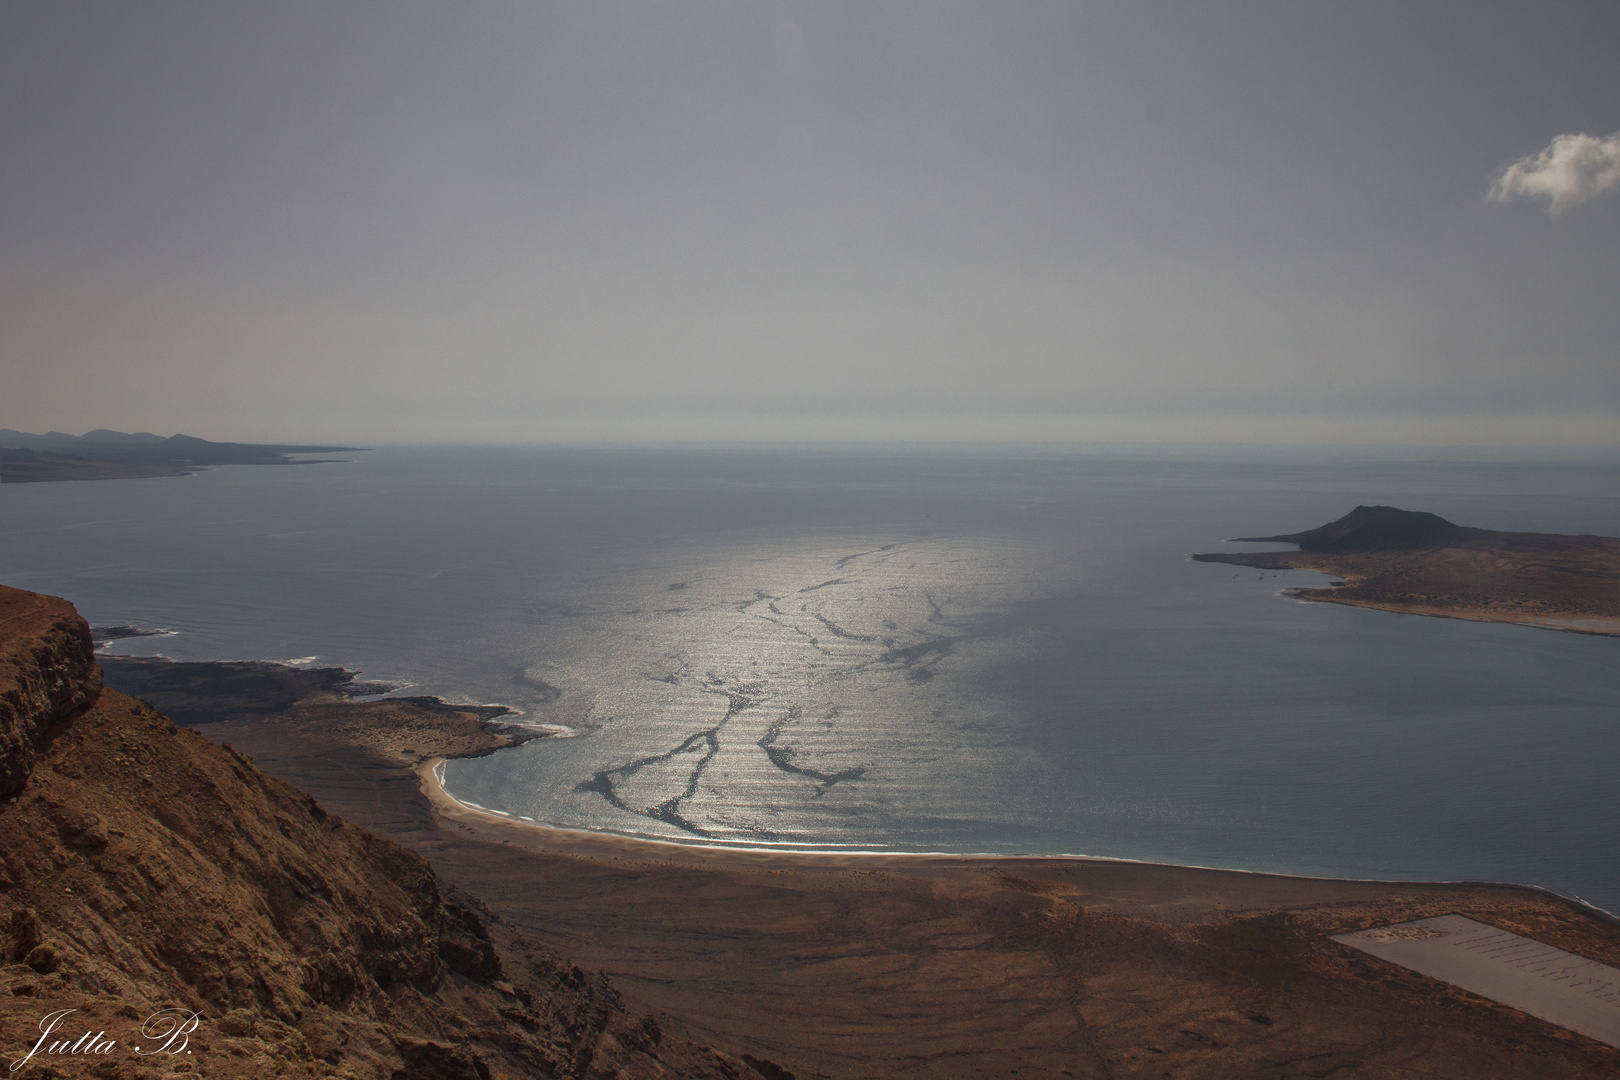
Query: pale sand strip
point(1559, 987)
point(1601, 625)
point(536, 836)
point(1255, 888)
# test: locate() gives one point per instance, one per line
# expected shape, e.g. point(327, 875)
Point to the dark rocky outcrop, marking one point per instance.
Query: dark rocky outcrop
point(1372, 528)
point(48, 672)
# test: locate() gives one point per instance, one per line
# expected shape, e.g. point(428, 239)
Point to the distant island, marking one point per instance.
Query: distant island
point(115, 455)
point(1422, 564)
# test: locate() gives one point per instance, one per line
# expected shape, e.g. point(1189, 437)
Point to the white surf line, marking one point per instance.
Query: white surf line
point(1557, 986)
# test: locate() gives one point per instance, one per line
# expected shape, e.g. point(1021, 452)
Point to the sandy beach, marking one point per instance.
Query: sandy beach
point(935, 965)
point(1252, 887)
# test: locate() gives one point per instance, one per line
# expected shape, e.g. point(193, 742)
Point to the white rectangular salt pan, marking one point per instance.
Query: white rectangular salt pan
point(1562, 988)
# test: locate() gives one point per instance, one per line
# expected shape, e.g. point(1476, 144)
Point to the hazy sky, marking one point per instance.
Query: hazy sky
point(403, 222)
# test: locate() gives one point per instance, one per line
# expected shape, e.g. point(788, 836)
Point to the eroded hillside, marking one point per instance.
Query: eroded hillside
point(144, 868)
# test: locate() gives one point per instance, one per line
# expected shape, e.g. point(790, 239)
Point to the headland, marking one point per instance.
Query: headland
point(115, 455)
point(1422, 564)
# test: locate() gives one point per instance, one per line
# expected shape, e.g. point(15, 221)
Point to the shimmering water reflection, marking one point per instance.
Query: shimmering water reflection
point(902, 650)
point(777, 691)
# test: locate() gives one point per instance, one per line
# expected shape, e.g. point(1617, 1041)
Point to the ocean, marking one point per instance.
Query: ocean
point(891, 649)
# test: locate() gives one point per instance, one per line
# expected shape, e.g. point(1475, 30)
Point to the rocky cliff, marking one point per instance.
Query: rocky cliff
point(47, 671)
point(144, 868)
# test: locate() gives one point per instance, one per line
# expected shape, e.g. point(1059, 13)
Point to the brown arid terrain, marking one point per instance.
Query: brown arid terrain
point(149, 875)
point(1421, 564)
point(925, 966)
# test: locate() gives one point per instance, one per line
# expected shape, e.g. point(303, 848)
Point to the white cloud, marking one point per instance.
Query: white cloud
point(1571, 170)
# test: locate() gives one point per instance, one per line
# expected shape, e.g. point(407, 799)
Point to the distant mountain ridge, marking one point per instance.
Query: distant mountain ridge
point(105, 445)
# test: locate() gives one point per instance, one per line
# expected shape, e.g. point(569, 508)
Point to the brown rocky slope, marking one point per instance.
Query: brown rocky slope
point(144, 868)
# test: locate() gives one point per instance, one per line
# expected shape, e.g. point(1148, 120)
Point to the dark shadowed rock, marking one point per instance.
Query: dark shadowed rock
point(1372, 528)
point(50, 672)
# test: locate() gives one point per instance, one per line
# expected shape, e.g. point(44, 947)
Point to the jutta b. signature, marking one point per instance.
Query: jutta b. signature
point(167, 1031)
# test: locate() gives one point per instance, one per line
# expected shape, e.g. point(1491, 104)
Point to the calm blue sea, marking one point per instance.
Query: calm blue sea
point(902, 650)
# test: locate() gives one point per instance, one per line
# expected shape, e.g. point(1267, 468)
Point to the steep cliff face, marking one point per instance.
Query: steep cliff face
point(144, 868)
point(47, 671)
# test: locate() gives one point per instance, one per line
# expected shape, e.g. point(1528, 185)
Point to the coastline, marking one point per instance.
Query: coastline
point(859, 963)
point(499, 826)
point(590, 843)
point(964, 964)
point(1599, 626)
point(111, 455)
point(292, 717)
point(838, 964)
